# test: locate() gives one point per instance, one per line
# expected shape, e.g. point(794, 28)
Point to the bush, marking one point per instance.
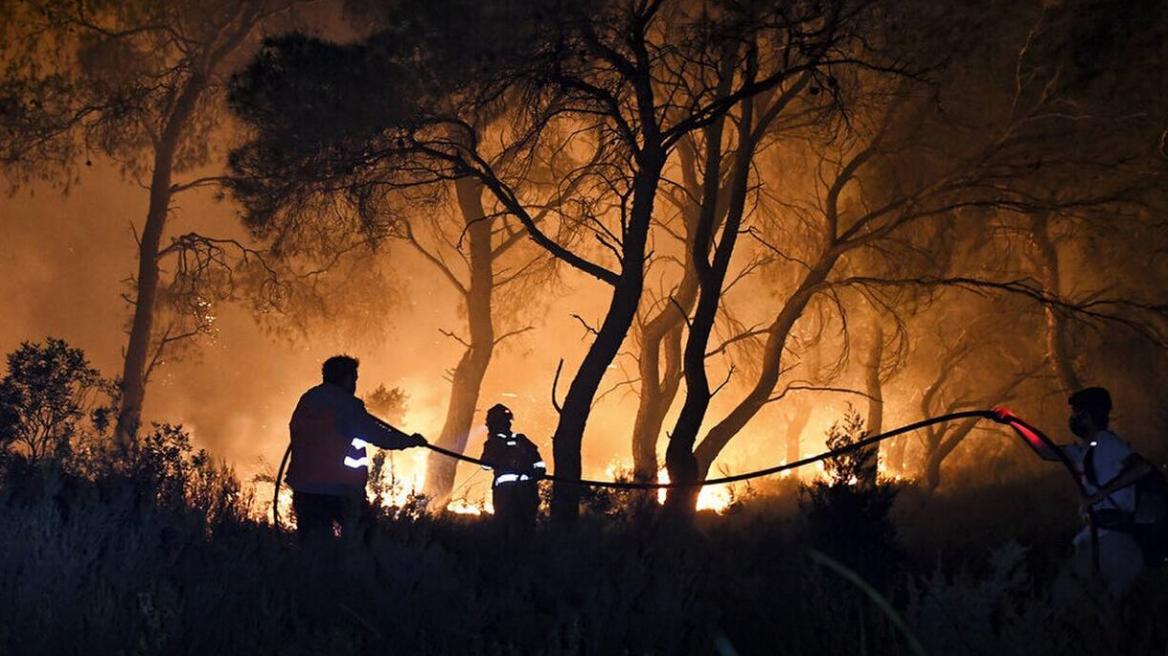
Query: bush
point(48, 395)
point(849, 515)
point(161, 555)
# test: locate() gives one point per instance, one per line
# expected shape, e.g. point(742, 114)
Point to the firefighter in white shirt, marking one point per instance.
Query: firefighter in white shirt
point(1109, 470)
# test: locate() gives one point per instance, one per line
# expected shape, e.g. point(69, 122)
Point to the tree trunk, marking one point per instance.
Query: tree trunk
point(796, 424)
point(657, 390)
point(679, 456)
point(664, 331)
point(1057, 330)
point(874, 389)
point(472, 367)
point(944, 443)
point(932, 473)
point(622, 309)
point(945, 446)
point(134, 371)
point(777, 334)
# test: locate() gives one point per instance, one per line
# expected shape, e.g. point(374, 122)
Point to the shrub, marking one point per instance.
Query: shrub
point(849, 515)
point(47, 395)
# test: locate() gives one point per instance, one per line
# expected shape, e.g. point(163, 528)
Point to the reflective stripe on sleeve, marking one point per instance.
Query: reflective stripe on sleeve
point(511, 478)
point(359, 443)
point(356, 463)
point(540, 465)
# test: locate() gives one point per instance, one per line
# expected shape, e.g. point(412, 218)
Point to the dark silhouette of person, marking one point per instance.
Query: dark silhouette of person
point(518, 467)
point(1108, 469)
point(330, 430)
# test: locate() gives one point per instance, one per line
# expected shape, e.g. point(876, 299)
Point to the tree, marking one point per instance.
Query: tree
point(969, 375)
point(138, 83)
point(388, 404)
point(47, 394)
point(623, 82)
point(900, 170)
point(476, 248)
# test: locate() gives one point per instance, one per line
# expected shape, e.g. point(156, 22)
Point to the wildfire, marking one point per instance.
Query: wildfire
point(464, 507)
point(712, 497)
point(403, 479)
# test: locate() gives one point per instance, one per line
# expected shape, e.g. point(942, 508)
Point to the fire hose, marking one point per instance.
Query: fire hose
point(1033, 437)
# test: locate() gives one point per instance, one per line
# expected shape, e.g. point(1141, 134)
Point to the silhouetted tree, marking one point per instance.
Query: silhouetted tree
point(904, 170)
point(479, 249)
point(46, 396)
point(624, 82)
point(137, 83)
point(978, 368)
point(388, 404)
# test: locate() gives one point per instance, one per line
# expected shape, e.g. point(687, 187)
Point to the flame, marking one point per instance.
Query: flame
point(711, 497)
point(464, 507)
point(262, 511)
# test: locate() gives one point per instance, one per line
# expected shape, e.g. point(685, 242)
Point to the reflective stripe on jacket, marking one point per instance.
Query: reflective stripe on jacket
point(515, 458)
point(330, 430)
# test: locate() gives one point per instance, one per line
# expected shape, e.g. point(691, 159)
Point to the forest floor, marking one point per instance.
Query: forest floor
point(116, 566)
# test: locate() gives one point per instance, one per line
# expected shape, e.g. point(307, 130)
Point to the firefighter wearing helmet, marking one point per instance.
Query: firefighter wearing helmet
point(518, 467)
point(330, 430)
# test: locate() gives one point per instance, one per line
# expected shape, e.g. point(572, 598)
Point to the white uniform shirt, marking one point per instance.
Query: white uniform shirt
point(1110, 454)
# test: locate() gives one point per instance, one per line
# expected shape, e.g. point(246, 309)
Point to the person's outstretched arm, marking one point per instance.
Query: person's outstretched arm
point(357, 423)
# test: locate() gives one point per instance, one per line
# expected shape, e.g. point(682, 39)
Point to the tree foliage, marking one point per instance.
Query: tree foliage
point(49, 393)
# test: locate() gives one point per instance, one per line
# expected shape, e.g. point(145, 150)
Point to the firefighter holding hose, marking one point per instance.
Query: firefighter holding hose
point(518, 467)
point(1123, 497)
point(330, 430)
point(1109, 470)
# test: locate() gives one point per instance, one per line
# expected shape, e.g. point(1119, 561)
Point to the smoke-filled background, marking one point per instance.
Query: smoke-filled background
point(66, 261)
point(934, 315)
point(680, 239)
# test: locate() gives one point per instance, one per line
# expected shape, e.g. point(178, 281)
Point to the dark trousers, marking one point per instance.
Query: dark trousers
point(516, 508)
point(325, 515)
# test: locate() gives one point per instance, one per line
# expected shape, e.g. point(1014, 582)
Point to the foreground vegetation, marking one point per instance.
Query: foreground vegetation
point(160, 556)
point(161, 550)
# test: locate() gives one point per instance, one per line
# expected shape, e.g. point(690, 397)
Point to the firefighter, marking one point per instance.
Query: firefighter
point(1109, 469)
point(518, 467)
point(330, 430)
point(1111, 546)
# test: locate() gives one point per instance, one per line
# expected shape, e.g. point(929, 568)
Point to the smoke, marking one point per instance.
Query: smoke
point(66, 260)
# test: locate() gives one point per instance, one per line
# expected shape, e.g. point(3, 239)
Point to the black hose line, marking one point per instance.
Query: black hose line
point(276, 490)
point(646, 485)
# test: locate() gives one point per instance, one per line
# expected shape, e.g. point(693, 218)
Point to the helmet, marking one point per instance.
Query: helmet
point(499, 412)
